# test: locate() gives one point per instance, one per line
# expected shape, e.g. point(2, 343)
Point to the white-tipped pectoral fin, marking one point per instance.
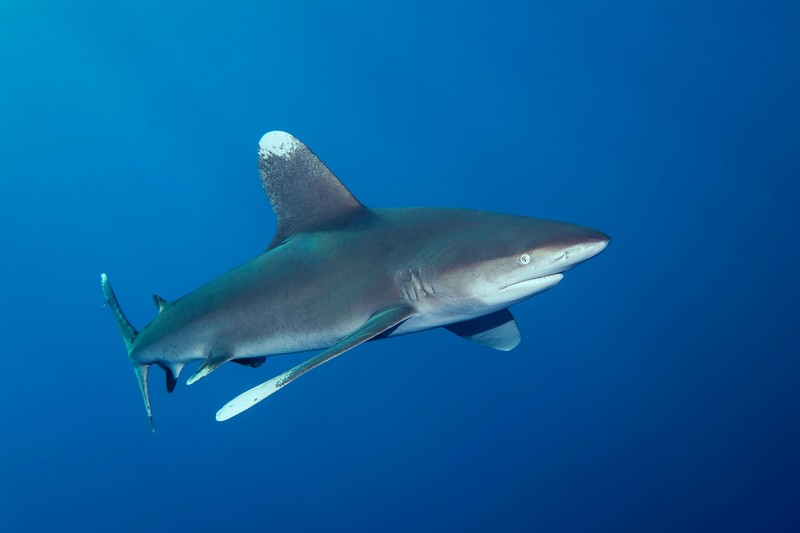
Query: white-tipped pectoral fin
point(377, 324)
point(248, 399)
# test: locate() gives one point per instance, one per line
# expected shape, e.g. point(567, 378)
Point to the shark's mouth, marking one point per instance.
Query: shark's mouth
point(535, 285)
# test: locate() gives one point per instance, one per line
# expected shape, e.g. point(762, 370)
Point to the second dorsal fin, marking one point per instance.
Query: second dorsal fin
point(304, 194)
point(160, 302)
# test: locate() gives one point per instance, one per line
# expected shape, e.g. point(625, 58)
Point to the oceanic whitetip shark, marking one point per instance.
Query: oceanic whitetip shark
point(338, 274)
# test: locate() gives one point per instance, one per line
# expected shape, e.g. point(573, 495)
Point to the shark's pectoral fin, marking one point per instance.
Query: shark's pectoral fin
point(208, 366)
point(377, 324)
point(253, 362)
point(497, 330)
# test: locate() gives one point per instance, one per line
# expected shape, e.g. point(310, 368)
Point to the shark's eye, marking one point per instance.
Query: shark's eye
point(524, 259)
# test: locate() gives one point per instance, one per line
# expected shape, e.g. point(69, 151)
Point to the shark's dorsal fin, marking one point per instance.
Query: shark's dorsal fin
point(160, 302)
point(304, 194)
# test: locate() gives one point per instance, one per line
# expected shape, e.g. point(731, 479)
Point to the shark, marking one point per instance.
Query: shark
point(338, 273)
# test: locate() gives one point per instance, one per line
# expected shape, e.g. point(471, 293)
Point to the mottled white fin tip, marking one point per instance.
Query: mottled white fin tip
point(277, 143)
point(248, 399)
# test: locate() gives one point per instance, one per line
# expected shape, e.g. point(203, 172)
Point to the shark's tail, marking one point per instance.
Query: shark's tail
point(129, 335)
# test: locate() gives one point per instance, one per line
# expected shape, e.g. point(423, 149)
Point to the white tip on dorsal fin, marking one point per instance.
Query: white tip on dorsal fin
point(305, 195)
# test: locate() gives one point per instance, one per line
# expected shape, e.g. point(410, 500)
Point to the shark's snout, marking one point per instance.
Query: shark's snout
point(589, 245)
point(572, 247)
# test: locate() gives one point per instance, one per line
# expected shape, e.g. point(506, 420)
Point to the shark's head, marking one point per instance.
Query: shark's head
point(506, 259)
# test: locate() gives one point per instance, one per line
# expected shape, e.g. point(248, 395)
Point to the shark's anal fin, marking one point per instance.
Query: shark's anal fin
point(497, 330)
point(172, 380)
point(377, 324)
point(172, 371)
point(208, 366)
point(304, 194)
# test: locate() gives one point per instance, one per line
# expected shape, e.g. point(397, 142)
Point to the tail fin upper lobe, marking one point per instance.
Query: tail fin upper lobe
point(125, 327)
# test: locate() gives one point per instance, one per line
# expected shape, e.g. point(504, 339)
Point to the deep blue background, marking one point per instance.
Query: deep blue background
point(656, 388)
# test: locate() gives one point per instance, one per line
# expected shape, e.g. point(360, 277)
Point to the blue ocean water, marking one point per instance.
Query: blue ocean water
point(656, 388)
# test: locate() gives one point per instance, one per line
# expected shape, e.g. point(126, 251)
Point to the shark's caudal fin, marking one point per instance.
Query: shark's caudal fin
point(305, 195)
point(129, 335)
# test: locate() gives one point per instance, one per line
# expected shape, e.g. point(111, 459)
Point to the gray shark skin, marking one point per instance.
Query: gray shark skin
point(338, 274)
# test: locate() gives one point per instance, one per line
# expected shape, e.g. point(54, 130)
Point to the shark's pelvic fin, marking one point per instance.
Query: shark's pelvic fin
point(208, 366)
point(253, 362)
point(160, 302)
point(377, 324)
point(497, 330)
point(129, 336)
point(304, 194)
